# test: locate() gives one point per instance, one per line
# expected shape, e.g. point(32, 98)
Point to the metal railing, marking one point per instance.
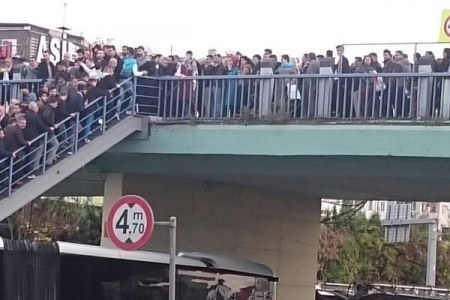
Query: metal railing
point(11, 89)
point(405, 96)
point(68, 137)
point(359, 97)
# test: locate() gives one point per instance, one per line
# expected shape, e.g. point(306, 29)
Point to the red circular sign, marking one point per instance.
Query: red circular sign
point(130, 222)
point(447, 27)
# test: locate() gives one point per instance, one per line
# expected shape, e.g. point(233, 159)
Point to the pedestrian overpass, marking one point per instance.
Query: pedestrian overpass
point(244, 184)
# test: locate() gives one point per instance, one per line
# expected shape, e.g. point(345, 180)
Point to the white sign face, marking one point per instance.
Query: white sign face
point(129, 223)
point(54, 49)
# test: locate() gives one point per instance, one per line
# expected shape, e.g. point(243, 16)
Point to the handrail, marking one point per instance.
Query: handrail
point(301, 76)
point(65, 120)
point(22, 81)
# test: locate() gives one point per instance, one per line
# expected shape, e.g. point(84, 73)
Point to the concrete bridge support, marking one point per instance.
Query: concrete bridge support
point(276, 229)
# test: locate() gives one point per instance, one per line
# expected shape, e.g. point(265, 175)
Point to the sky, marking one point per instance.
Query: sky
point(286, 26)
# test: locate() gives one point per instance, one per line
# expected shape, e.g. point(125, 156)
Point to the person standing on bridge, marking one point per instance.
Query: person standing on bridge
point(15, 141)
point(129, 70)
point(340, 96)
point(4, 164)
point(34, 127)
point(47, 113)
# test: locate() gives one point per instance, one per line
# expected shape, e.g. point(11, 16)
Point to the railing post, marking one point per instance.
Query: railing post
point(11, 172)
point(44, 157)
point(105, 102)
point(133, 98)
point(77, 125)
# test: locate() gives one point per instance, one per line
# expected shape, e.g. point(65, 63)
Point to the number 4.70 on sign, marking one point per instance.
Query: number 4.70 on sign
point(130, 222)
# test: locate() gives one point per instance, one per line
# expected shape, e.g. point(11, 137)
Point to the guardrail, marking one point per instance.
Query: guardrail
point(11, 89)
point(411, 96)
point(68, 137)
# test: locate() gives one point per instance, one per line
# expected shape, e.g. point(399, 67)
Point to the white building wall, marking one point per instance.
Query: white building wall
point(441, 210)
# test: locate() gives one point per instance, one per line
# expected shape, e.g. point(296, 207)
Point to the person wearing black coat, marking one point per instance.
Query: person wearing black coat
point(92, 106)
point(4, 163)
point(46, 69)
point(147, 89)
point(108, 83)
point(4, 118)
point(75, 105)
point(62, 114)
point(47, 113)
point(7, 75)
point(14, 140)
point(34, 128)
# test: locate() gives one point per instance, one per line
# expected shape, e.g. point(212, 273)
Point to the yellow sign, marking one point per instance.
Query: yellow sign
point(444, 30)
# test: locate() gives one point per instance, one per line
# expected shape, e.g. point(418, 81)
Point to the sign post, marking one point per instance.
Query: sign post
point(173, 254)
point(130, 224)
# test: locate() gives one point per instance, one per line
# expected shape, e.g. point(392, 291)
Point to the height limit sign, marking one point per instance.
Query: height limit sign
point(130, 222)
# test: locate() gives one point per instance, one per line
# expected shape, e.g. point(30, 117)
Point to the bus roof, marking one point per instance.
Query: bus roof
point(186, 259)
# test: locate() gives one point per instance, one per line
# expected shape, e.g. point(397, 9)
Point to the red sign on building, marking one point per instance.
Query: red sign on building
point(5, 51)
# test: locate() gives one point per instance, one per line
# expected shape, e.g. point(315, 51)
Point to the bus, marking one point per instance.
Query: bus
point(67, 271)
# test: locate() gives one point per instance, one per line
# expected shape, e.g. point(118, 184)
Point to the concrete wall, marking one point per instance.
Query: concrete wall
point(278, 230)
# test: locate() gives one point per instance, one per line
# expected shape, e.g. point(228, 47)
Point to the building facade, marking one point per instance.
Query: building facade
point(26, 40)
point(437, 210)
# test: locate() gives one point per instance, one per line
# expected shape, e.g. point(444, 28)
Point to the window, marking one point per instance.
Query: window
point(381, 206)
point(444, 210)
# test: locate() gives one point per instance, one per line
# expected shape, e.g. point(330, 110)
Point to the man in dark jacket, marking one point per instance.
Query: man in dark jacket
point(75, 105)
point(112, 53)
point(340, 98)
point(14, 140)
point(34, 128)
point(4, 118)
point(62, 114)
point(47, 113)
point(46, 69)
point(4, 162)
point(6, 75)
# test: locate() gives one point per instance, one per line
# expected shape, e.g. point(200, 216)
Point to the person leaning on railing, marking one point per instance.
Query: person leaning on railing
point(33, 129)
point(14, 142)
point(47, 114)
point(4, 171)
point(61, 114)
point(4, 118)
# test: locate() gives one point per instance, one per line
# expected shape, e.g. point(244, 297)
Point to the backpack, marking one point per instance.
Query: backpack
point(127, 70)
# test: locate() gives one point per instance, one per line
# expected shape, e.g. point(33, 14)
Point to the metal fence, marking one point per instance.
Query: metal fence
point(344, 97)
point(412, 96)
point(11, 89)
point(67, 138)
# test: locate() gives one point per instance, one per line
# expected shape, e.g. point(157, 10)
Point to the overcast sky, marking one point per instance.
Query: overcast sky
point(286, 26)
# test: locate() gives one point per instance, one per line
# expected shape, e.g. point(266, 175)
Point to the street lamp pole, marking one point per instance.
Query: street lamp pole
point(63, 29)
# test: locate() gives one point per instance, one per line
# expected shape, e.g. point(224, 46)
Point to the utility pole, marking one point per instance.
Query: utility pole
point(63, 34)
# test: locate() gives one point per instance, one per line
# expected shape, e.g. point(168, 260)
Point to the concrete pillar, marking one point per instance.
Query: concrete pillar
point(275, 229)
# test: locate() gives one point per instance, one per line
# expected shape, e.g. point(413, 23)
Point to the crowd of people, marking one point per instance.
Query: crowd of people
point(56, 94)
point(107, 68)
